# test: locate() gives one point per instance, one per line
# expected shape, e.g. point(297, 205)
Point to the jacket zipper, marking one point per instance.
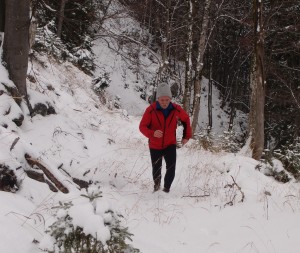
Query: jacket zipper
point(164, 132)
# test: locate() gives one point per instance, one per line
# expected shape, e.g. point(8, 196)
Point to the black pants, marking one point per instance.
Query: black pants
point(169, 154)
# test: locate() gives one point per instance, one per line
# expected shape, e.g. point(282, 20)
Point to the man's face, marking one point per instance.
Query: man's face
point(164, 101)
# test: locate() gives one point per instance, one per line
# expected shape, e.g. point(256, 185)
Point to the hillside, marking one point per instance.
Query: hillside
point(202, 213)
point(219, 201)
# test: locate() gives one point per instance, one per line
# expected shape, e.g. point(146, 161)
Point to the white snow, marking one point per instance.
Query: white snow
point(203, 211)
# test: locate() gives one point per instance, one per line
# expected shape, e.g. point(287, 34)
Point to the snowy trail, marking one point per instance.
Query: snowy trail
point(105, 146)
point(172, 223)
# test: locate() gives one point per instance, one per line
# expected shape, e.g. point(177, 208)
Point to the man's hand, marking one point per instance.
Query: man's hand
point(158, 134)
point(184, 141)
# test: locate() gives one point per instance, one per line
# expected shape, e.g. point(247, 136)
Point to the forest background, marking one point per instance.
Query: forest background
point(249, 51)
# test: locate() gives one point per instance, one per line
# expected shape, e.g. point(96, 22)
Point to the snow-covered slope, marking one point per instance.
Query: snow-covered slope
point(131, 77)
point(202, 213)
point(219, 202)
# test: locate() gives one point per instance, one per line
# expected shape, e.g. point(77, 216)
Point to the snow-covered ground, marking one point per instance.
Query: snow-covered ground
point(219, 202)
point(202, 212)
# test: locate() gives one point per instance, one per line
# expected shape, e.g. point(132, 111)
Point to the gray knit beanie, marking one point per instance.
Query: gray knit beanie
point(163, 89)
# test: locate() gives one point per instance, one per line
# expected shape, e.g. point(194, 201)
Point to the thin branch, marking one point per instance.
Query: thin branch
point(196, 196)
point(14, 143)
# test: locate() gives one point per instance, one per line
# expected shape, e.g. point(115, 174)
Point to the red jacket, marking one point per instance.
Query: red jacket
point(154, 119)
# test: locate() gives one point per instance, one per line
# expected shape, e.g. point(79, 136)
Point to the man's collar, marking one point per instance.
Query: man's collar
point(158, 107)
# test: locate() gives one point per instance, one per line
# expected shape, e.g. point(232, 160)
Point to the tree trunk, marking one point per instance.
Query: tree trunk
point(210, 98)
point(257, 101)
point(232, 104)
point(188, 61)
point(165, 35)
point(16, 42)
point(60, 18)
point(199, 65)
point(2, 15)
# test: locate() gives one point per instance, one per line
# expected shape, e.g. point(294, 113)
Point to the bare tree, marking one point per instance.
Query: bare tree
point(16, 42)
point(200, 63)
point(209, 105)
point(188, 59)
point(60, 18)
point(2, 15)
point(257, 101)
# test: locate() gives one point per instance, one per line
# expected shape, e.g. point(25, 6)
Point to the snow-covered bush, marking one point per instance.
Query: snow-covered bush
point(47, 41)
point(289, 154)
point(205, 139)
point(83, 55)
point(84, 58)
point(117, 102)
point(8, 179)
point(272, 167)
point(70, 237)
point(11, 114)
point(228, 142)
point(101, 82)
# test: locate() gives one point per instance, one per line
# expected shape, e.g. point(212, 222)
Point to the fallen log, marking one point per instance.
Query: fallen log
point(33, 162)
point(40, 178)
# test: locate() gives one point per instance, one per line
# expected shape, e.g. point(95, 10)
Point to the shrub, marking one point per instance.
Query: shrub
point(70, 238)
point(289, 155)
point(101, 82)
point(206, 139)
point(47, 41)
point(228, 142)
point(99, 85)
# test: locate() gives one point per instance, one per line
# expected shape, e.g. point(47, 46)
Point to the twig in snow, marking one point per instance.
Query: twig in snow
point(14, 143)
point(196, 196)
point(240, 190)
